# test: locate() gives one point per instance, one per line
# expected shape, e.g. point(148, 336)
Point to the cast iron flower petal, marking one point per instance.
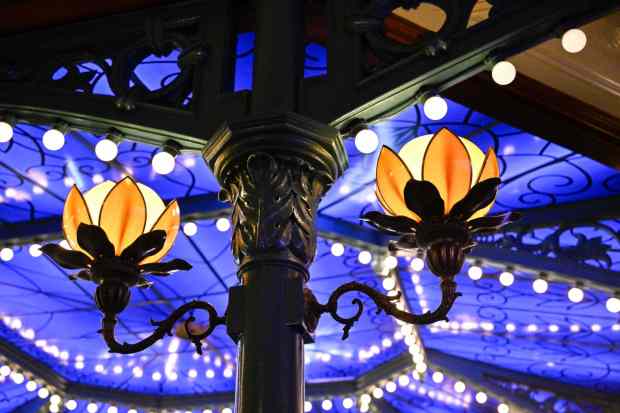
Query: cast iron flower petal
point(164, 268)
point(391, 224)
point(480, 196)
point(71, 260)
point(493, 223)
point(144, 246)
point(94, 241)
point(422, 197)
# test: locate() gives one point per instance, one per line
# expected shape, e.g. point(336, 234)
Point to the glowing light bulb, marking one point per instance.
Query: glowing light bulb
point(327, 405)
point(156, 376)
point(377, 392)
point(222, 224)
point(92, 407)
point(481, 397)
point(35, 250)
point(337, 249)
point(31, 386)
point(6, 132)
point(190, 229)
point(226, 410)
point(307, 406)
point(613, 304)
point(417, 264)
point(112, 409)
point(106, 150)
point(506, 279)
point(192, 373)
point(163, 163)
point(53, 139)
point(503, 73)
point(540, 285)
point(437, 377)
point(459, 387)
point(389, 283)
point(364, 257)
point(6, 254)
point(137, 372)
point(435, 108)
point(574, 40)
point(474, 272)
point(43, 393)
point(366, 141)
point(54, 408)
point(365, 398)
point(390, 262)
point(55, 399)
point(553, 328)
point(390, 387)
point(575, 294)
point(503, 408)
point(403, 380)
point(135, 411)
point(71, 405)
point(347, 403)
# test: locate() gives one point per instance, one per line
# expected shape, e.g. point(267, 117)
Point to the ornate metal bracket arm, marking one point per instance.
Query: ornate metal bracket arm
point(112, 298)
point(384, 303)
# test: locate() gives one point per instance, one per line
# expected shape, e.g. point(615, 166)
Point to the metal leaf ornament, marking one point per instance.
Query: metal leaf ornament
point(118, 248)
point(436, 193)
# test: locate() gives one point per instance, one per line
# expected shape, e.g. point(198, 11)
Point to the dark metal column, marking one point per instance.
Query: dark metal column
point(274, 171)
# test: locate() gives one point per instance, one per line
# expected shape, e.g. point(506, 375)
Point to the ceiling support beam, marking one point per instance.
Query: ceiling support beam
point(486, 376)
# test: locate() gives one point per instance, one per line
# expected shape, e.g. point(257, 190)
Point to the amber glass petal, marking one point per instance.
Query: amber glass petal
point(74, 214)
point(123, 214)
point(392, 176)
point(168, 221)
point(447, 165)
point(490, 169)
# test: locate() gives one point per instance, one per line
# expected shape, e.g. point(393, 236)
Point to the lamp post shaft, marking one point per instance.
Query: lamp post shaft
point(274, 170)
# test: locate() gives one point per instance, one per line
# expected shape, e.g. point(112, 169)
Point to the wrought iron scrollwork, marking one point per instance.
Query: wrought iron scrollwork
point(386, 303)
point(164, 327)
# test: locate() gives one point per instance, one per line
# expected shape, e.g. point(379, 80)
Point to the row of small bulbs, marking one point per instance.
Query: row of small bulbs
point(540, 285)
point(436, 108)
point(106, 149)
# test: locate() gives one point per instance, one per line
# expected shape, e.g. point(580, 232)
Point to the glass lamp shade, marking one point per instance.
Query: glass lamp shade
point(124, 210)
point(452, 164)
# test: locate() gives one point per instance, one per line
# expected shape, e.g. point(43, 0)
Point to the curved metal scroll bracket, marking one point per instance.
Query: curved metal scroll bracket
point(385, 303)
point(112, 298)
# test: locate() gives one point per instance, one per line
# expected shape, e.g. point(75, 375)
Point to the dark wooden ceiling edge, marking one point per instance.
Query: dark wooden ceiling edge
point(546, 112)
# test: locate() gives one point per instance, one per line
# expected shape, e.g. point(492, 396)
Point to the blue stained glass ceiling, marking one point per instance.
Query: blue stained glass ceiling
point(544, 335)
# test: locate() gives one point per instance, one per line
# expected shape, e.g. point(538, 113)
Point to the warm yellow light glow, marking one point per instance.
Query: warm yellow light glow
point(124, 210)
point(452, 164)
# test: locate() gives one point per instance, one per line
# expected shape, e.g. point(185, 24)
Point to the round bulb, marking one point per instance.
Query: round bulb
point(364, 257)
point(337, 249)
point(31, 385)
point(6, 254)
point(55, 399)
point(92, 408)
point(222, 224)
point(390, 262)
point(112, 409)
point(575, 295)
point(6, 132)
point(390, 387)
point(506, 278)
point(574, 40)
point(53, 139)
point(435, 108)
point(163, 162)
point(106, 150)
point(459, 387)
point(540, 286)
point(71, 404)
point(417, 264)
point(54, 408)
point(389, 283)
point(481, 397)
point(327, 405)
point(43, 393)
point(474, 272)
point(35, 250)
point(613, 305)
point(307, 406)
point(438, 377)
point(226, 410)
point(347, 403)
point(503, 408)
point(503, 73)
point(377, 393)
point(190, 229)
point(366, 141)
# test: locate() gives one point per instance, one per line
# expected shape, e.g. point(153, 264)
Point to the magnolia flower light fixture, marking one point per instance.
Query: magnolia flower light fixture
point(118, 234)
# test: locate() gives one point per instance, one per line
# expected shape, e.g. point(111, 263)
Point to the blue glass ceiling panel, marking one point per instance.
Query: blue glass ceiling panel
point(516, 328)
